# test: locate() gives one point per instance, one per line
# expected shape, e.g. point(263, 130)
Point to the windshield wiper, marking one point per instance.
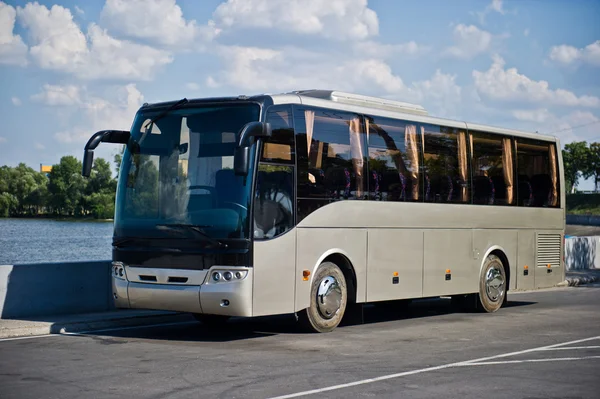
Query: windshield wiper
point(197, 228)
point(178, 104)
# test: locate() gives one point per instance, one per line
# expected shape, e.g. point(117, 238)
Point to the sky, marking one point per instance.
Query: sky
point(70, 68)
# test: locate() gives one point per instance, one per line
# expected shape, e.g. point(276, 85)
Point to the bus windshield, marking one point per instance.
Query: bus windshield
point(178, 181)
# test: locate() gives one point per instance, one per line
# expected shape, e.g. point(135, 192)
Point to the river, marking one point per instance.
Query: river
point(46, 240)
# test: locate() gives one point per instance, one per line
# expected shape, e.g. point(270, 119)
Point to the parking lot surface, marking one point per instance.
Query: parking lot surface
point(544, 344)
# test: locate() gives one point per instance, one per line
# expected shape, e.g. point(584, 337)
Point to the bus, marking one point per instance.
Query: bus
point(311, 202)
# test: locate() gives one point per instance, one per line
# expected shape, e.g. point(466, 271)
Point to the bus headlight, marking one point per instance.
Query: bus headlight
point(225, 276)
point(118, 270)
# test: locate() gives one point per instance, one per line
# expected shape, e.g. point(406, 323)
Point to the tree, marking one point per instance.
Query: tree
point(593, 165)
point(575, 160)
point(66, 186)
point(100, 178)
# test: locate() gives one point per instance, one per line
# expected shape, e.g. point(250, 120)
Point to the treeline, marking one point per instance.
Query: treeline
point(581, 160)
point(64, 192)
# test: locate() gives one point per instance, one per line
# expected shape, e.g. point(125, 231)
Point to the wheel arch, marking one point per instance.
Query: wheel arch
point(500, 253)
point(342, 260)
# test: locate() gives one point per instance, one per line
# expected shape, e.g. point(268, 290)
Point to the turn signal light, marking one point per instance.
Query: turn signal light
point(305, 275)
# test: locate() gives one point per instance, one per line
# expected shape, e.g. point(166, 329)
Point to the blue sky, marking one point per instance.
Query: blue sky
point(70, 68)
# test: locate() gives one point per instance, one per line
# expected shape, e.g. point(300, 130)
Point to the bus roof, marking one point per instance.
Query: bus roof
point(388, 108)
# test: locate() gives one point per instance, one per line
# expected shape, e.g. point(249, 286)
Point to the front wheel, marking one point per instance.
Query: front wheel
point(492, 285)
point(328, 299)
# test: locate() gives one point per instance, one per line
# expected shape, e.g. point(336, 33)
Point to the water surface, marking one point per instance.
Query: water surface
point(45, 240)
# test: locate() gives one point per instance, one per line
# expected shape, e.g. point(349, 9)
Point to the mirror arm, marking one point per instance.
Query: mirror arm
point(103, 136)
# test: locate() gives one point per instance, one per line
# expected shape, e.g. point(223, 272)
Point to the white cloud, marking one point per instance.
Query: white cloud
point(59, 44)
point(567, 55)
point(336, 19)
point(526, 32)
point(379, 50)
point(539, 115)
point(494, 6)
point(79, 11)
point(250, 69)
point(58, 95)
point(12, 49)
point(469, 42)
point(3, 139)
point(502, 84)
point(39, 146)
point(497, 6)
point(16, 101)
point(575, 126)
point(192, 86)
point(440, 93)
point(100, 113)
point(158, 21)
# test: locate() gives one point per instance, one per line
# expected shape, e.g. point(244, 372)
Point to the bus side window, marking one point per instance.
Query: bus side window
point(445, 165)
point(394, 155)
point(537, 177)
point(493, 169)
point(274, 193)
point(331, 154)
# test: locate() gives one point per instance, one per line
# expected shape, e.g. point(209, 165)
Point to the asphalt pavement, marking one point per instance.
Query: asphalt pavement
point(544, 344)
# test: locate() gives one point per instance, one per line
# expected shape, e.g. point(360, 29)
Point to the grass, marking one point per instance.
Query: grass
point(583, 204)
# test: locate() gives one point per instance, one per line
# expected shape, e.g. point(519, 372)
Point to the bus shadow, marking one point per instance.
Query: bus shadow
point(422, 308)
point(238, 329)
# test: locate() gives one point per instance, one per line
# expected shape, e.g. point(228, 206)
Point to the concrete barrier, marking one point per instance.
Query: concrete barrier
point(583, 220)
point(582, 253)
point(46, 289)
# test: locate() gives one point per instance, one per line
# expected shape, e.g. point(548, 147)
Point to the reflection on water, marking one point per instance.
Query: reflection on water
point(43, 240)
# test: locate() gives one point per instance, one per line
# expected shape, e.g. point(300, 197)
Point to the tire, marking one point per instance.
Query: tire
point(328, 300)
point(492, 285)
point(211, 320)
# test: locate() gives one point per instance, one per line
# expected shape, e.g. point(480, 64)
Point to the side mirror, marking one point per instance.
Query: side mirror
point(241, 161)
point(103, 136)
point(253, 130)
point(248, 133)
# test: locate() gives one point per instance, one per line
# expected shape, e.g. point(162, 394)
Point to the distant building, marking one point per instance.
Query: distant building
point(45, 169)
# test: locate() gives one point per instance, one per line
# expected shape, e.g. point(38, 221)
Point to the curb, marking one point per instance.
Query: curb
point(25, 328)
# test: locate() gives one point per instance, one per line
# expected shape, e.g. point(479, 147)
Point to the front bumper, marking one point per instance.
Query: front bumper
point(146, 288)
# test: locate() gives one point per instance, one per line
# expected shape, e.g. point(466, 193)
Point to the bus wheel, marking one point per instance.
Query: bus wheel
point(211, 320)
point(328, 299)
point(492, 285)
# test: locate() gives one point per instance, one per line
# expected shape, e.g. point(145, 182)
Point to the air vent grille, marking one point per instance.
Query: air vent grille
point(548, 250)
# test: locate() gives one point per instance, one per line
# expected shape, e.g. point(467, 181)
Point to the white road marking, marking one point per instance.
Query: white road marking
point(83, 333)
point(556, 359)
point(29, 337)
point(572, 347)
point(472, 362)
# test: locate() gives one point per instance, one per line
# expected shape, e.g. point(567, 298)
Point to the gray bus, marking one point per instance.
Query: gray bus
point(311, 201)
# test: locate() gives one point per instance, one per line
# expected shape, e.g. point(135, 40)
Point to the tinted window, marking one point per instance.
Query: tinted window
point(273, 211)
point(331, 154)
point(445, 165)
point(537, 167)
point(394, 156)
point(493, 169)
point(274, 193)
point(280, 146)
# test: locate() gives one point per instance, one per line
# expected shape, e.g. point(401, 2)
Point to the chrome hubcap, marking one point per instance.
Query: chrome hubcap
point(329, 297)
point(494, 283)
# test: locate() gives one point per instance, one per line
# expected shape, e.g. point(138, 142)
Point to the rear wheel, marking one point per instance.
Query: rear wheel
point(492, 285)
point(328, 299)
point(211, 320)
